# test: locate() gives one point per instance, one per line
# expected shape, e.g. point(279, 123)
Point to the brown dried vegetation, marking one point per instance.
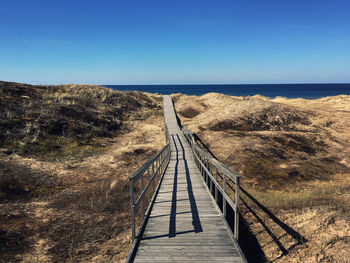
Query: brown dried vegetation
point(66, 153)
point(294, 155)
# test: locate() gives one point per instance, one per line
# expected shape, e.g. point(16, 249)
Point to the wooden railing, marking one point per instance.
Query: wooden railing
point(221, 181)
point(144, 184)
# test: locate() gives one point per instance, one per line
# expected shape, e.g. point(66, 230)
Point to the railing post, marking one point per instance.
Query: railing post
point(142, 202)
point(203, 171)
point(236, 226)
point(149, 194)
point(203, 162)
point(132, 210)
point(153, 178)
point(211, 182)
point(223, 197)
point(157, 166)
point(216, 188)
point(206, 174)
point(169, 153)
point(160, 164)
point(198, 164)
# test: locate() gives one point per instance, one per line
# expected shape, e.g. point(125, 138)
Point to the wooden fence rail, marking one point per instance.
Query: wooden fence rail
point(143, 185)
point(221, 181)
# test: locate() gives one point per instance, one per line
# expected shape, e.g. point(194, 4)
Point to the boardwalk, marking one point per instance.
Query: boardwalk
point(184, 225)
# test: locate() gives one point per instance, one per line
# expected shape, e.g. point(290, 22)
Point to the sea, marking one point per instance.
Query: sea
point(306, 91)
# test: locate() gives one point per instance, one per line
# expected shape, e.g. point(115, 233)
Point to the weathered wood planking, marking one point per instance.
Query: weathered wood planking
point(185, 225)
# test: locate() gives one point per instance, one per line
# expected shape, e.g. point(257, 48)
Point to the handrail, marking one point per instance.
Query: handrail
point(152, 170)
point(219, 180)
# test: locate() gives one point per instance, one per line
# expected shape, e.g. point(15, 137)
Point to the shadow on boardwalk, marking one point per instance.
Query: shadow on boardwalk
point(196, 222)
point(197, 227)
point(247, 240)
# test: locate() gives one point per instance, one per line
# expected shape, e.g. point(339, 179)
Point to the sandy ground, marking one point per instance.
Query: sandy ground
point(64, 166)
point(40, 216)
point(294, 155)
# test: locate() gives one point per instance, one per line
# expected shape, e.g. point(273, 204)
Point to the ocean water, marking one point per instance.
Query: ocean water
point(307, 91)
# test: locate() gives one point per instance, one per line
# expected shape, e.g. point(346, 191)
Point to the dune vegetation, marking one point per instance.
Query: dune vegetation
point(294, 156)
point(65, 155)
point(66, 152)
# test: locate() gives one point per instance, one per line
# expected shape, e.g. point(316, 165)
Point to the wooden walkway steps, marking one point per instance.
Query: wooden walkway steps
point(185, 224)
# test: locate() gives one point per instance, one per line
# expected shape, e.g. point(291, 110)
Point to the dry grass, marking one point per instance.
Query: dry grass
point(64, 193)
point(272, 142)
point(310, 194)
point(97, 213)
point(294, 155)
point(189, 112)
point(56, 121)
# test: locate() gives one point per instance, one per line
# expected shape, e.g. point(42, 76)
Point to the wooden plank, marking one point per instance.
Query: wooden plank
point(187, 248)
point(186, 255)
point(184, 225)
point(189, 258)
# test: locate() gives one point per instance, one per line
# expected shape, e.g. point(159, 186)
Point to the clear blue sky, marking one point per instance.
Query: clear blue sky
point(173, 42)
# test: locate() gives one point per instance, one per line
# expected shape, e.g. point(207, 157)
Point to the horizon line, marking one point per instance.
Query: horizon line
point(183, 84)
point(223, 84)
point(180, 84)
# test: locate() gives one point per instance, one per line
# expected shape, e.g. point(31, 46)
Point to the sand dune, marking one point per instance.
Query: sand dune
point(294, 155)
